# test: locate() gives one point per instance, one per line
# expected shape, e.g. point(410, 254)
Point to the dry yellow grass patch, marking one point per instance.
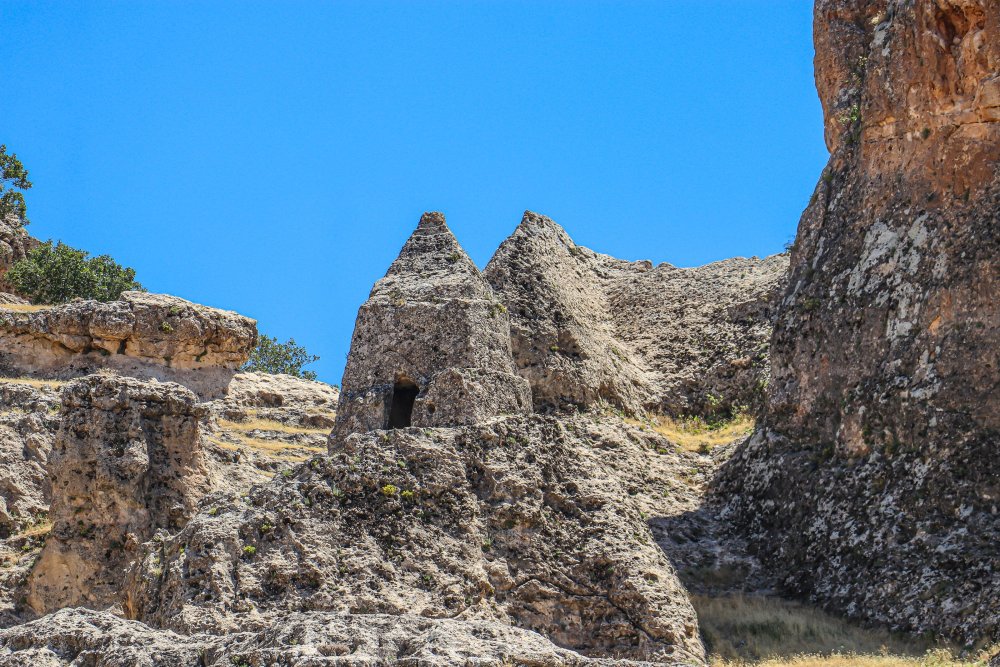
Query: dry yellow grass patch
point(258, 424)
point(37, 530)
point(693, 434)
point(34, 382)
point(274, 449)
point(24, 307)
point(770, 632)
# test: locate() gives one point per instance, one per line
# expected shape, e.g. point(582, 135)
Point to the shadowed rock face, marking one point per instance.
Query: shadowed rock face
point(588, 327)
point(431, 346)
point(126, 461)
point(143, 335)
point(874, 484)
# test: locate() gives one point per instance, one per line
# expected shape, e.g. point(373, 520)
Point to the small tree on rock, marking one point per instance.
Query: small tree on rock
point(270, 356)
point(59, 273)
point(13, 180)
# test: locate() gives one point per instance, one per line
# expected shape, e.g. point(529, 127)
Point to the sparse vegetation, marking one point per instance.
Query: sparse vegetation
point(24, 307)
point(770, 632)
point(34, 382)
point(289, 357)
point(258, 424)
point(695, 434)
point(57, 273)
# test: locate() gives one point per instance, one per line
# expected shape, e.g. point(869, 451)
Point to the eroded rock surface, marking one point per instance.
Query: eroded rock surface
point(431, 345)
point(15, 243)
point(28, 422)
point(532, 522)
point(588, 327)
point(142, 335)
point(126, 461)
point(100, 639)
point(873, 484)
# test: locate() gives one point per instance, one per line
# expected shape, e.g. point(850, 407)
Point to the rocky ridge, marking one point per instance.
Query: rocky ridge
point(588, 328)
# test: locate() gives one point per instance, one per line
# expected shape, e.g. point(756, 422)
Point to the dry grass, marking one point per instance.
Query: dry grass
point(694, 434)
point(273, 449)
point(770, 632)
point(257, 424)
point(43, 528)
point(34, 382)
point(24, 307)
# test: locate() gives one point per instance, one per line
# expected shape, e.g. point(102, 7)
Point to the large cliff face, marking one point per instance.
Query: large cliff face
point(874, 482)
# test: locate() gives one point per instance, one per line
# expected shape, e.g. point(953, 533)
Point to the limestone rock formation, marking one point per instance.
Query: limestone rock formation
point(532, 522)
point(587, 327)
point(143, 335)
point(873, 485)
point(28, 422)
point(15, 243)
point(127, 460)
point(100, 639)
point(431, 345)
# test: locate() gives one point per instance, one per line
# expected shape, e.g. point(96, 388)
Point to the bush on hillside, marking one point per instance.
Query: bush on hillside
point(270, 356)
point(59, 273)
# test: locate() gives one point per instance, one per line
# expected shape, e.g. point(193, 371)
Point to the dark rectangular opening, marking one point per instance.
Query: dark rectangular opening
point(404, 393)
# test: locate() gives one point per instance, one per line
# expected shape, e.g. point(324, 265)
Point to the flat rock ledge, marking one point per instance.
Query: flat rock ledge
point(141, 335)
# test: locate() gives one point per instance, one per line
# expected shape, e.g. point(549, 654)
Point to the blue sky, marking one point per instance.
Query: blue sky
point(272, 158)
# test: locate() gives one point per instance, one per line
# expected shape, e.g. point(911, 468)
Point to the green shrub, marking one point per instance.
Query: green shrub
point(270, 356)
point(59, 273)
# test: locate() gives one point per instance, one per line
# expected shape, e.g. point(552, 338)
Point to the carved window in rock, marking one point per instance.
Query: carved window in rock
point(404, 393)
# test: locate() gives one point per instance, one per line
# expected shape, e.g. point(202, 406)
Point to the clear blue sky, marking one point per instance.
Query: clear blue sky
point(272, 158)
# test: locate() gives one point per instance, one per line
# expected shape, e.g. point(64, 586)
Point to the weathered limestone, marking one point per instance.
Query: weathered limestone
point(15, 243)
point(873, 484)
point(142, 335)
point(535, 522)
point(72, 636)
point(431, 346)
point(126, 461)
point(588, 328)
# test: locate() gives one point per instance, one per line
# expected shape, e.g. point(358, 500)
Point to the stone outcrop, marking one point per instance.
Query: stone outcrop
point(28, 422)
point(431, 345)
point(127, 460)
point(15, 243)
point(142, 335)
point(100, 639)
point(873, 484)
point(532, 522)
point(588, 328)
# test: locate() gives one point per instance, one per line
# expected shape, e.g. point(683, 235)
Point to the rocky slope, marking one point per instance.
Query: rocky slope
point(589, 328)
point(872, 486)
point(531, 522)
